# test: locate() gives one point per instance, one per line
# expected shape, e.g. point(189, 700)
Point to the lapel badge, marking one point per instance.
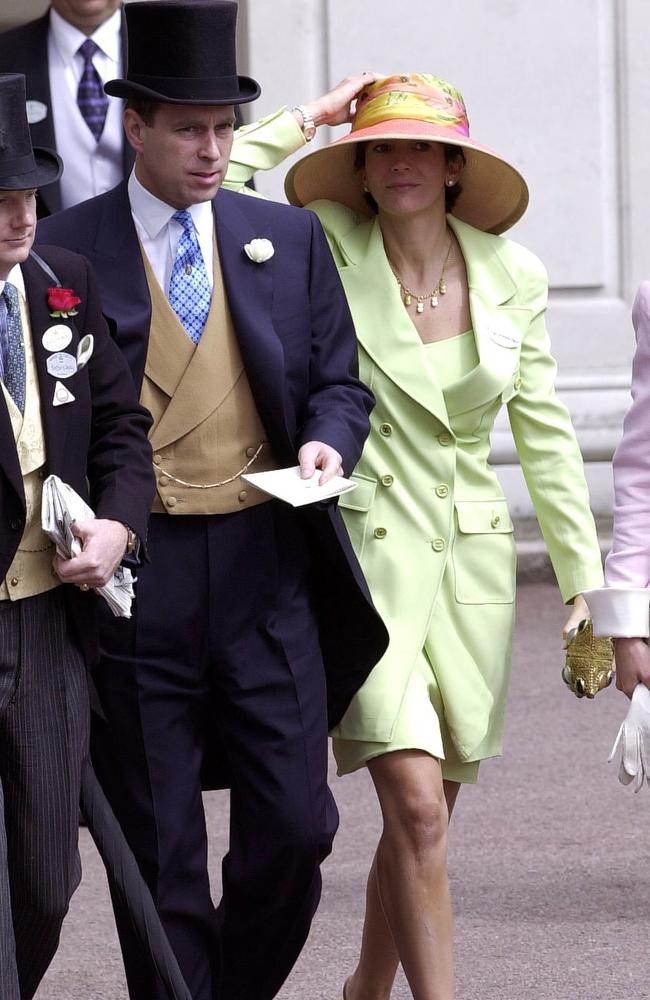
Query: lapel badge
point(61, 365)
point(85, 350)
point(504, 339)
point(57, 337)
point(62, 395)
point(36, 112)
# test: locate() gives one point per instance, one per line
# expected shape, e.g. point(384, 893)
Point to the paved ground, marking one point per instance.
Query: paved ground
point(549, 860)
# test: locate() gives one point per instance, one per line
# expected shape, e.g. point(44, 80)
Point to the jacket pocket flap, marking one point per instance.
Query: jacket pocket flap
point(362, 497)
point(483, 516)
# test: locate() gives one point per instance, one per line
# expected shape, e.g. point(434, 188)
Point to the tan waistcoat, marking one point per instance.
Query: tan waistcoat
point(206, 428)
point(31, 571)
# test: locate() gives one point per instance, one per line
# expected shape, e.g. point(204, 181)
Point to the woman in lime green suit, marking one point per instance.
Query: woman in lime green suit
point(450, 322)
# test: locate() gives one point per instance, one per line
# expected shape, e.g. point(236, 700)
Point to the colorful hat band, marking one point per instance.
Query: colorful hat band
point(430, 104)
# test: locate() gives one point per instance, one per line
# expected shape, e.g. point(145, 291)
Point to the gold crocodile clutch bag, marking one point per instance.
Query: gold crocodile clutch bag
point(589, 665)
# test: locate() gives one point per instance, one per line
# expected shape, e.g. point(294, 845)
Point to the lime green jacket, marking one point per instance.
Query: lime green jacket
point(427, 502)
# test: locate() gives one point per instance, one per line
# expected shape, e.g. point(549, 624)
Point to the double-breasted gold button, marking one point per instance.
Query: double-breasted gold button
point(250, 452)
point(387, 480)
point(14, 581)
point(163, 481)
point(157, 459)
point(442, 491)
point(171, 501)
point(380, 532)
point(242, 496)
point(438, 544)
point(496, 521)
point(386, 429)
point(444, 439)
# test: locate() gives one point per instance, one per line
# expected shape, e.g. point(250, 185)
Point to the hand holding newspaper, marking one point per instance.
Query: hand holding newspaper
point(62, 506)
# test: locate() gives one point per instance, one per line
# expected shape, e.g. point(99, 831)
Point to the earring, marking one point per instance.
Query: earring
point(366, 188)
point(449, 182)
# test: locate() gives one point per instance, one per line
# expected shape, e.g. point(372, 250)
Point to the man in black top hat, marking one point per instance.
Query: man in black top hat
point(231, 315)
point(81, 422)
point(66, 55)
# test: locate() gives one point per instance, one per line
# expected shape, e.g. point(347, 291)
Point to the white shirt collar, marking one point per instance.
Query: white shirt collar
point(16, 279)
point(154, 214)
point(67, 38)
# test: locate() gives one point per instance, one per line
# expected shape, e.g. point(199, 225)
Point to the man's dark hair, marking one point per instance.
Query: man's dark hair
point(146, 107)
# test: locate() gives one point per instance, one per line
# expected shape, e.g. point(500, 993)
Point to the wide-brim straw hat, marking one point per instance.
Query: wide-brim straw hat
point(183, 52)
point(414, 106)
point(21, 165)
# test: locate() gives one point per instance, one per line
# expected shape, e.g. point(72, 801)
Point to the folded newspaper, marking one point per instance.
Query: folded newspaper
point(62, 506)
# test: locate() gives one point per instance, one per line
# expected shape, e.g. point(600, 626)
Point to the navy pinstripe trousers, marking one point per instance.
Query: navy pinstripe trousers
point(43, 739)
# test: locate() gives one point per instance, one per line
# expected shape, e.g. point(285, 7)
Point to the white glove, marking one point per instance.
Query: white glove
point(634, 736)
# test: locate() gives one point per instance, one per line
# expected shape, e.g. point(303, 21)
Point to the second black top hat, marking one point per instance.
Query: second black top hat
point(183, 52)
point(21, 166)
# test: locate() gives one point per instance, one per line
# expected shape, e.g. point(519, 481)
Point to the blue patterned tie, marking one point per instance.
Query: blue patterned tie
point(92, 101)
point(13, 347)
point(189, 289)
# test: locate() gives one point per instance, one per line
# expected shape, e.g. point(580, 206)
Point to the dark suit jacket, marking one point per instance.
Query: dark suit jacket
point(298, 344)
point(24, 50)
point(97, 444)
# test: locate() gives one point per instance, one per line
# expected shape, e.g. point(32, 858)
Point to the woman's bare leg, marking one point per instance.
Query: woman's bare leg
point(407, 885)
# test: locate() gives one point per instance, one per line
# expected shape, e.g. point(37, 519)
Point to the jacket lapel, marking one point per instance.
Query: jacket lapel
point(249, 289)
point(383, 326)
point(117, 254)
point(56, 419)
point(497, 325)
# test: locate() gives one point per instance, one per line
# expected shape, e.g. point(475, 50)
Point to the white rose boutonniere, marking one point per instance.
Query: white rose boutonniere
point(259, 250)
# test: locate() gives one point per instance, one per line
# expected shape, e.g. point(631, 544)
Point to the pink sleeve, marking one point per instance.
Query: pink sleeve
point(628, 564)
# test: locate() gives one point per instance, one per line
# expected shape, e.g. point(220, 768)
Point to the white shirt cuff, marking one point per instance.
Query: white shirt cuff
point(619, 611)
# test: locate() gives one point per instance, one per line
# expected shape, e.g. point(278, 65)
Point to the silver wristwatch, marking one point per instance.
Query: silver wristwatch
point(308, 123)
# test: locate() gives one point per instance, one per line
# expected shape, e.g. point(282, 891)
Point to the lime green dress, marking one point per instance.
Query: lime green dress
point(421, 722)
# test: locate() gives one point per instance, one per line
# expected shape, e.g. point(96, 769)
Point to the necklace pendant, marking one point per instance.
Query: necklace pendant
point(442, 287)
point(420, 306)
point(407, 299)
point(434, 300)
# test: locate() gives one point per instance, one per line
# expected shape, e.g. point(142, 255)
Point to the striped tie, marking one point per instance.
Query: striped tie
point(92, 101)
point(13, 346)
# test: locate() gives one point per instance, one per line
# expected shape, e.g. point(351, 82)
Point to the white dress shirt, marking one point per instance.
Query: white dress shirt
point(91, 167)
point(159, 233)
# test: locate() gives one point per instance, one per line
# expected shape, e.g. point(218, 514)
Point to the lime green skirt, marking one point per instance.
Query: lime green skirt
point(420, 725)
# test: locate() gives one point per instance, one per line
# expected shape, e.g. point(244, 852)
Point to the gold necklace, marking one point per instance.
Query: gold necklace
point(408, 294)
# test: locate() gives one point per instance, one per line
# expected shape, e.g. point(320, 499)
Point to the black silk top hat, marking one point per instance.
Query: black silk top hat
point(183, 52)
point(21, 166)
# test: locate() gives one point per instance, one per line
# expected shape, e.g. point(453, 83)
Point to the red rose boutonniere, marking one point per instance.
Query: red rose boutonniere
point(62, 302)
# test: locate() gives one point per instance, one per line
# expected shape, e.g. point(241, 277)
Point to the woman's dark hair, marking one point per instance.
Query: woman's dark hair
point(146, 107)
point(451, 193)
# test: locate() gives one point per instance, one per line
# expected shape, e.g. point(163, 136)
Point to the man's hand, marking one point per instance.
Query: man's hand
point(316, 455)
point(335, 107)
point(103, 545)
point(632, 659)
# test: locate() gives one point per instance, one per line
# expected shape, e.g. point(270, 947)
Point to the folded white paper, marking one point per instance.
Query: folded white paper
point(61, 506)
point(286, 484)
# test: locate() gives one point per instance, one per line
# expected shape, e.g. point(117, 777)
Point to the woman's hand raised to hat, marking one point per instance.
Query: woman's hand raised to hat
point(335, 107)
